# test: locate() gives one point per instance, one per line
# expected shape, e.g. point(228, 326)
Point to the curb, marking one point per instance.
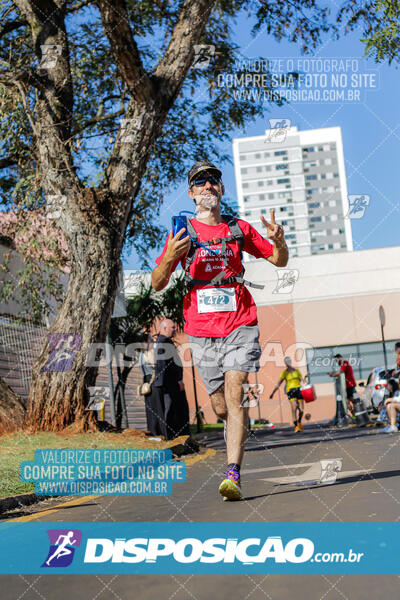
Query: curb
point(21, 500)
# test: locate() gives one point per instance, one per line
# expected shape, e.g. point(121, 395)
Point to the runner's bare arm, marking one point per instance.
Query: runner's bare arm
point(276, 388)
point(175, 249)
point(280, 255)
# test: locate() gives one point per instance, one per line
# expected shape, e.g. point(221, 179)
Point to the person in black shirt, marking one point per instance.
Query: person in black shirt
point(168, 379)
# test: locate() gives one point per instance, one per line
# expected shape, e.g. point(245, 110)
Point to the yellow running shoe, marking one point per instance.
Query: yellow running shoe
point(300, 427)
point(230, 487)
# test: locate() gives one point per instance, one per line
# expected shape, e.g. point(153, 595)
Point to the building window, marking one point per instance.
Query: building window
point(247, 213)
point(314, 204)
point(316, 219)
point(320, 149)
point(280, 153)
point(362, 356)
point(283, 208)
point(245, 199)
point(330, 246)
point(258, 169)
point(283, 180)
point(309, 149)
point(341, 230)
point(260, 183)
point(245, 185)
point(267, 167)
point(266, 154)
point(263, 211)
point(281, 166)
point(311, 177)
point(271, 196)
point(257, 156)
point(261, 196)
point(242, 157)
point(243, 171)
point(336, 174)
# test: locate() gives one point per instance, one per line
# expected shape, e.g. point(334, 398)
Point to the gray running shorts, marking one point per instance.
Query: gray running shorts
point(238, 351)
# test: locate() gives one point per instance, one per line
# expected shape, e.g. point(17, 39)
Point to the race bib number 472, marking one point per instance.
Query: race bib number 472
point(216, 300)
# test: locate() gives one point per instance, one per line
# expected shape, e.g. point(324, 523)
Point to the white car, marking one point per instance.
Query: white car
point(376, 387)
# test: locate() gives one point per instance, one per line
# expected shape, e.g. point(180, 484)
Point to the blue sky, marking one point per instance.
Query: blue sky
point(370, 131)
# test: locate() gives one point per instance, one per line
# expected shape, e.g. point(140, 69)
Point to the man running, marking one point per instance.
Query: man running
point(293, 379)
point(220, 313)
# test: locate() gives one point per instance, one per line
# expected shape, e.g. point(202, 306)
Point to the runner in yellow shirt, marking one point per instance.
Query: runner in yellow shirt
point(293, 379)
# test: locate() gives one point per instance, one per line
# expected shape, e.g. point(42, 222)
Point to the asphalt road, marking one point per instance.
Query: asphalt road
point(367, 489)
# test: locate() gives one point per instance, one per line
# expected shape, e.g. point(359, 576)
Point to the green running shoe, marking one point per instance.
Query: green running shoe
point(230, 487)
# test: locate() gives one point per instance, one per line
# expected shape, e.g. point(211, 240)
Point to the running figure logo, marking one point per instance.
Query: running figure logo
point(278, 130)
point(357, 205)
point(62, 547)
point(286, 281)
point(203, 53)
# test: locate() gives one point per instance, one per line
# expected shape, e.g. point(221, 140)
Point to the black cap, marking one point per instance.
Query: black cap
point(202, 165)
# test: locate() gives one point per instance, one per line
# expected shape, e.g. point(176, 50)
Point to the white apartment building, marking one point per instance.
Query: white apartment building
point(302, 175)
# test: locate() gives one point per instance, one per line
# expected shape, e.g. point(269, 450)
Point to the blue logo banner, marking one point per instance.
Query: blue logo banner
point(345, 548)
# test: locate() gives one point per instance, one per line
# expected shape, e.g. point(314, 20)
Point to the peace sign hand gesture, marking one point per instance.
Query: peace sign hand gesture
point(274, 231)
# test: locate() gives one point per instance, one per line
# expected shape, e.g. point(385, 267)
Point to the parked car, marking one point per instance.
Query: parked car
point(376, 388)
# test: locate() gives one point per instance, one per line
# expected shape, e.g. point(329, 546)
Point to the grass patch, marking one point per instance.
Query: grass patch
point(17, 447)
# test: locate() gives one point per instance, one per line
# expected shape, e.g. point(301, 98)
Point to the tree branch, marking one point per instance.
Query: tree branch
point(54, 103)
point(97, 119)
point(115, 19)
point(30, 77)
point(11, 26)
point(178, 57)
point(78, 6)
point(8, 161)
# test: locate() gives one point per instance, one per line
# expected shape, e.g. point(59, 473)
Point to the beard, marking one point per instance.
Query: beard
point(206, 200)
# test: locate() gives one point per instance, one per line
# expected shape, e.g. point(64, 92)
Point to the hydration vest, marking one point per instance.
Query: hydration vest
point(220, 279)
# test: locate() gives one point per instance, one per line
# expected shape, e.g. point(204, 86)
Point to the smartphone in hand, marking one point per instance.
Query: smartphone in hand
point(179, 222)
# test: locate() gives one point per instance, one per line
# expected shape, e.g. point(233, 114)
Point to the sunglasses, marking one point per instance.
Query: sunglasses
point(200, 181)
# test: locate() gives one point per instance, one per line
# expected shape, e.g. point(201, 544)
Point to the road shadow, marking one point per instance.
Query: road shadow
point(344, 480)
point(322, 436)
point(289, 438)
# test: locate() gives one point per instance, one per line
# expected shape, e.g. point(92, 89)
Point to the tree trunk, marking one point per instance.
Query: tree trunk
point(12, 409)
point(58, 393)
